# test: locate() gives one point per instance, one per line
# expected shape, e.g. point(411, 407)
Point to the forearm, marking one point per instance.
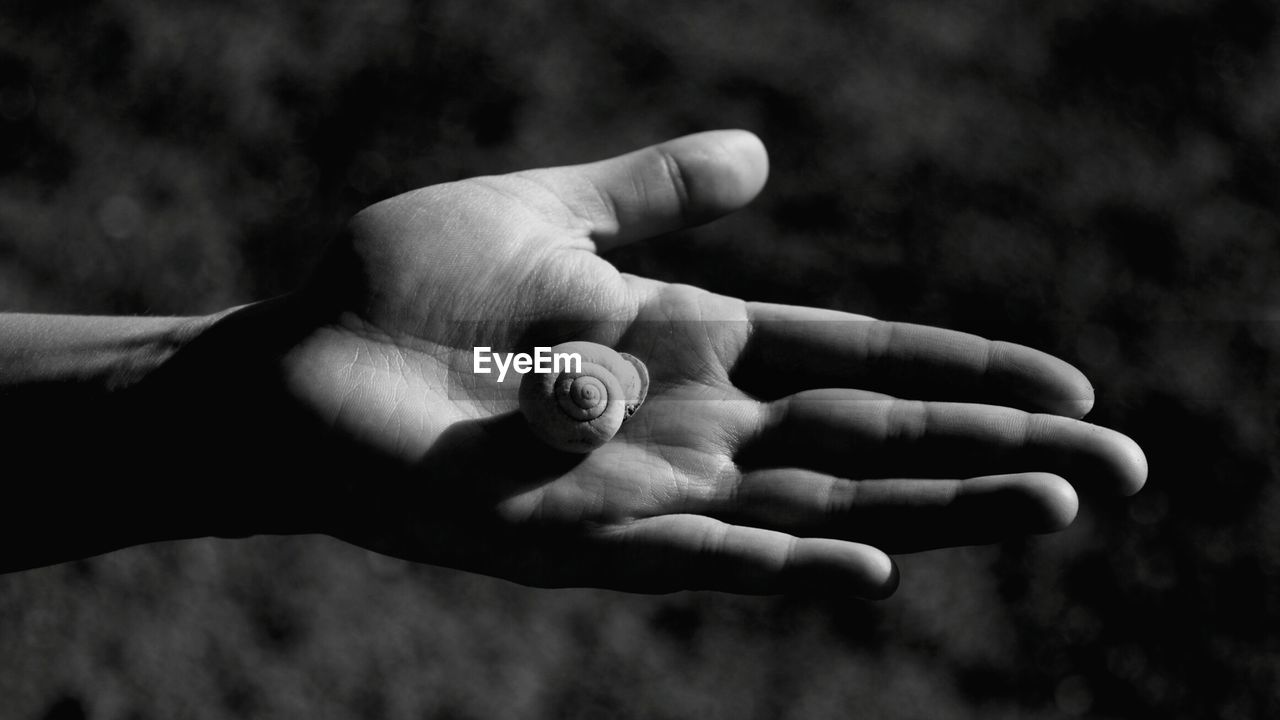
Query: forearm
point(85, 357)
point(78, 476)
point(120, 431)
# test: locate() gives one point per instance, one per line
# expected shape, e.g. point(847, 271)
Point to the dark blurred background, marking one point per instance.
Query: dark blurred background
point(1099, 179)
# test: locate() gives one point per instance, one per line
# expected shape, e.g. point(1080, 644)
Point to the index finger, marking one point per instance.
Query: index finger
point(793, 348)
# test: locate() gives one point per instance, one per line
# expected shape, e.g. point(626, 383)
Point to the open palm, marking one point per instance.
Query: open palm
point(777, 446)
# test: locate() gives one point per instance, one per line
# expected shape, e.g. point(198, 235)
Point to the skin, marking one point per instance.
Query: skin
point(781, 449)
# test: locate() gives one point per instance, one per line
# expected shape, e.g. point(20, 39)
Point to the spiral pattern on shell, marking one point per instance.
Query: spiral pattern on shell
point(583, 397)
point(580, 411)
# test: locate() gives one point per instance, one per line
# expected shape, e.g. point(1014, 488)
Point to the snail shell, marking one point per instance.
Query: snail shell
point(578, 412)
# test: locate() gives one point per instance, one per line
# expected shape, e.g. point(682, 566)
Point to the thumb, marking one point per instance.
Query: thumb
point(676, 184)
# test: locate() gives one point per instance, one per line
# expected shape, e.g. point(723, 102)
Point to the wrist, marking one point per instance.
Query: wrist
point(71, 434)
point(232, 452)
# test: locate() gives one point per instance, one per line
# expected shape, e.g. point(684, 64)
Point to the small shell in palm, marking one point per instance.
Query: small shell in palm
point(577, 411)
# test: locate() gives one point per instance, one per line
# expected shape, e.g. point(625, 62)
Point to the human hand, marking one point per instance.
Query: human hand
point(772, 453)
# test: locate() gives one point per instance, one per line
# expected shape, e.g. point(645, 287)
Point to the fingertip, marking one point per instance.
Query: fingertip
point(1081, 403)
point(1078, 395)
point(1132, 466)
point(875, 575)
point(722, 170)
point(1111, 461)
point(749, 154)
point(1056, 503)
point(883, 579)
point(1029, 502)
point(832, 567)
point(1074, 394)
point(670, 186)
